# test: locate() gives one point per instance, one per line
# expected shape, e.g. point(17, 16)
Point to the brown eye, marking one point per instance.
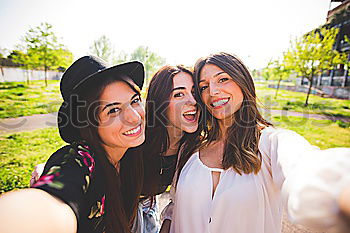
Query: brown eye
point(114, 110)
point(223, 80)
point(202, 88)
point(136, 100)
point(180, 94)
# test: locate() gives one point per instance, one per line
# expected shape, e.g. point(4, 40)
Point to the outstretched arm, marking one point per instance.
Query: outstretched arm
point(311, 179)
point(35, 211)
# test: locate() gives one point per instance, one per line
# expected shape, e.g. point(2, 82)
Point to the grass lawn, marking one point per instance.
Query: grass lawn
point(294, 101)
point(20, 152)
point(19, 99)
point(322, 133)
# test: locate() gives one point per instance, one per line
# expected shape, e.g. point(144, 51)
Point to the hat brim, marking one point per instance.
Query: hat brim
point(133, 70)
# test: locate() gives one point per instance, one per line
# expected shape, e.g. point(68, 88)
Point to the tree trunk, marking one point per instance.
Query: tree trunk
point(45, 76)
point(27, 75)
point(278, 87)
point(309, 91)
point(345, 78)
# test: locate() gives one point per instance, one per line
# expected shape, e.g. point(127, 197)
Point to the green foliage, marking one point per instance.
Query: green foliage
point(3, 52)
point(102, 47)
point(121, 58)
point(343, 124)
point(43, 51)
point(150, 60)
point(277, 70)
point(312, 53)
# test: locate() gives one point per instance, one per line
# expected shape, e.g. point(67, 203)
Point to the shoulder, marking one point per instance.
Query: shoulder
point(77, 152)
point(273, 135)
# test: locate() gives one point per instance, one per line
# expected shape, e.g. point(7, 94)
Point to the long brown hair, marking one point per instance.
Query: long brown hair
point(157, 138)
point(122, 189)
point(241, 145)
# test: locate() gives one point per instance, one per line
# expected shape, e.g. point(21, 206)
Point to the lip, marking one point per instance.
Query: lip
point(137, 133)
point(195, 116)
point(220, 106)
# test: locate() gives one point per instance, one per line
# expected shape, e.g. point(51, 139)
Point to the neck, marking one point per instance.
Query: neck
point(224, 124)
point(175, 135)
point(115, 154)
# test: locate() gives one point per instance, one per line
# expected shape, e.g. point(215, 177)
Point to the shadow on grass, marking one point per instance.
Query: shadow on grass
point(320, 106)
point(8, 85)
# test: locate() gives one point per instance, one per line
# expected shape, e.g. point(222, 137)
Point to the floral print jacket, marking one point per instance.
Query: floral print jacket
point(73, 175)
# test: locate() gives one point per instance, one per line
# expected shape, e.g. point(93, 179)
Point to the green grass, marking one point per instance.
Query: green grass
point(294, 101)
point(322, 133)
point(19, 99)
point(20, 152)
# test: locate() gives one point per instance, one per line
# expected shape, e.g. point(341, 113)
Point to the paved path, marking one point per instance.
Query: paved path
point(28, 123)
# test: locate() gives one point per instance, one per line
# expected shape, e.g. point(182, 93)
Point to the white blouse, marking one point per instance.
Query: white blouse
point(293, 174)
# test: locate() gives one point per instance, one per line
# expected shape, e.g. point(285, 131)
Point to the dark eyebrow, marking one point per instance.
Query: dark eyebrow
point(111, 104)
point(117, 103)
point(215, 75)
point(179, 88)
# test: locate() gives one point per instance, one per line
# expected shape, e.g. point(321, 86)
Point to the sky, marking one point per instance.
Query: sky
point(181, 31)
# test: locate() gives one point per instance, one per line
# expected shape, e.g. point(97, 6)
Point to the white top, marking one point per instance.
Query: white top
point(254, 203)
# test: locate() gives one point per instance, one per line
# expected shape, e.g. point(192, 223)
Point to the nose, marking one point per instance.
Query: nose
point(191, 100)
point(132, 116)
point(213, 89)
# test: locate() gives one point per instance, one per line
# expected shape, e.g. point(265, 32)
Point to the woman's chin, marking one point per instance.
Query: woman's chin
point(190, 129)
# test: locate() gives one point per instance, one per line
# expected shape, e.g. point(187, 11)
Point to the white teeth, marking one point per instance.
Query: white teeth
point(190, 113)
point(133, 130)
point(220, 102)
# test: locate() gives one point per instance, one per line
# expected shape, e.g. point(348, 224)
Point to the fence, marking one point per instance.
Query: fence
point(12, 74)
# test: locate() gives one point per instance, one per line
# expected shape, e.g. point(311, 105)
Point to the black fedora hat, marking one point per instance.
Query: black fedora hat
point(85, 70)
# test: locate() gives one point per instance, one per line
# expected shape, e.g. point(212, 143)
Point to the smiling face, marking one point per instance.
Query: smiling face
point(221, 95)
point(182, 110)
point(121, 117)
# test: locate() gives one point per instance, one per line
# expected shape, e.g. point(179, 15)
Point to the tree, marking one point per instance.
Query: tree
point(21, 58)
point(44, 50)
point(150, 60)
point(313, 53)
point(121, 58)
point(3, 52)
point(102, 47)
point(277, 70)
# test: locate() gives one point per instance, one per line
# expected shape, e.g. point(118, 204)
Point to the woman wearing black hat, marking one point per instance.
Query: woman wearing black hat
point(93, 184)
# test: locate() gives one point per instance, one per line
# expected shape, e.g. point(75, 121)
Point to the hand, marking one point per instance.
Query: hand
point(38, 170)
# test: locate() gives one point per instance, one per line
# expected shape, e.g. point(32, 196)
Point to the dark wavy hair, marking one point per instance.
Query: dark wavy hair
point(241, 150)
point(157, 138)
point(122, 189)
